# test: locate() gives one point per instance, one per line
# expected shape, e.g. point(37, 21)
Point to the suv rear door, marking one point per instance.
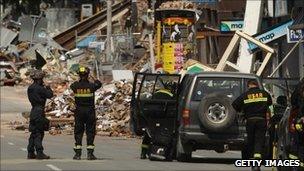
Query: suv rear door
point(146, 111)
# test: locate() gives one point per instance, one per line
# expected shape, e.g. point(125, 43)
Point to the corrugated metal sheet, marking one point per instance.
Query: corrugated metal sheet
point(7, 36)
point(27, 24)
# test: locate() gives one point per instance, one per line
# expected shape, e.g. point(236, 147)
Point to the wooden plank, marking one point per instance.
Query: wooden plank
point(264, 63)
point(228, 53)
point(232, 65)
point(203, 34)
point(255, 41)
point(114, 18)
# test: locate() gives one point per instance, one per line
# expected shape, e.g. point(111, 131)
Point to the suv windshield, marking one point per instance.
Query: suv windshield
point(228, 86)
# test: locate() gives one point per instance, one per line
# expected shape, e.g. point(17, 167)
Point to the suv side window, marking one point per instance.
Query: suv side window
point(147, 88)
point(152, 83)
point(228, 86)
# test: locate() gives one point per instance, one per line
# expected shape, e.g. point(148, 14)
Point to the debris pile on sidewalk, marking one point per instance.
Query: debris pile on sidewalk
point(19, 125)
point(177, 5)
point(113, 108)
point(142, 7)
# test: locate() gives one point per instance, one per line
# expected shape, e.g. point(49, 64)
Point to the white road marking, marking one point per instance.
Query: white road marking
point(53, 167)
point(235, 152)
point(198, 156)
point(10, 143)
point(23, 149)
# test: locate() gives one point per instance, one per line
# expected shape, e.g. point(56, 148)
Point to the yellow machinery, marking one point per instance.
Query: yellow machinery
point(175, 38)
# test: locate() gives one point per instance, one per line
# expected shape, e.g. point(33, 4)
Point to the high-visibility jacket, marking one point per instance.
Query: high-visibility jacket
point(254, 102)
point(84, 92)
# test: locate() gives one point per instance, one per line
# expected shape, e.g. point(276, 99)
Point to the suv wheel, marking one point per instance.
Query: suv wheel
point(181, 154)
point(216, 113)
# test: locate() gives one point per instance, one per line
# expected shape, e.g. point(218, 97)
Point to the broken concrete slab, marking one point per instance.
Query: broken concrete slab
point(6, 36)
point(30, 54)
point(119, 75)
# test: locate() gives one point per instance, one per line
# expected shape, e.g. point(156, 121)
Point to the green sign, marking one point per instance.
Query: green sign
point(228, 26)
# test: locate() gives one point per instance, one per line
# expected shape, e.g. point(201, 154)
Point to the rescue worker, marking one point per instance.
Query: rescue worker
point(165, 93)
point(37, 95)
point(297, 149)
point(254, 103)
point(85, 118)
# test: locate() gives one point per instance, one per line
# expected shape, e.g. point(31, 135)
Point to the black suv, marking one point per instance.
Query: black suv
point(199, 117)
point(205, 115)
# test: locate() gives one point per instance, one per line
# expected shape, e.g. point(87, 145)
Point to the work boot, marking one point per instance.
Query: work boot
point(31, 155)
point(91, 155)
point(255, 168)
point(144, 153)
point(296, 169)
point(41, 155)
point(77, 155)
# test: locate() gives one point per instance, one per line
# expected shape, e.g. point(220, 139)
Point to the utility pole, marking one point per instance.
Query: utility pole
point(1, 8)
point(301, 58)
point(109, 30)
point(134, 15)
point(252, 23)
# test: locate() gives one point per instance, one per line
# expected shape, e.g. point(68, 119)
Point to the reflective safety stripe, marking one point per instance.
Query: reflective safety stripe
point(144, 146)
point(90, 147)
point(84, 95)
point(271, 110)
point(165, 92)
point(261, 99)
point(292, 156)
point(299, 127)
point(77, 147)
point(257, 155)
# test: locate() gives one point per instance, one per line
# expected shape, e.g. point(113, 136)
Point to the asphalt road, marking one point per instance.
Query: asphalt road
point(13, 100)
point(115, 153)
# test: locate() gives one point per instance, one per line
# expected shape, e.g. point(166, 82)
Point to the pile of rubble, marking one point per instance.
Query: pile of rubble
point(112, 110)
point(142, 7)
point(177, 5)
point(112, 104)
point(19, 56)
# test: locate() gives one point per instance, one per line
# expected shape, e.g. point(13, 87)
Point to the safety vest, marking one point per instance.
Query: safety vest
point(165, 91)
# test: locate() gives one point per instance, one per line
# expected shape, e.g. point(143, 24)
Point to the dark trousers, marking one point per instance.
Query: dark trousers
point(297, 148)
point(256, 129)
point(85, 120)
point(146, 140)
point(35, 142)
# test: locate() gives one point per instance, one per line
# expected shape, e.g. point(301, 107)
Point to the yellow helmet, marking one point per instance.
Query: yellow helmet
point(83, 70)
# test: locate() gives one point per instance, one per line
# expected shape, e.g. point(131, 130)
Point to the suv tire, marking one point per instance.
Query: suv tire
point(216, 113)
point(181, 154)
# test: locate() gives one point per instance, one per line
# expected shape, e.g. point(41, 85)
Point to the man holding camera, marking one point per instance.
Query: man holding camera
point(37, 95)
